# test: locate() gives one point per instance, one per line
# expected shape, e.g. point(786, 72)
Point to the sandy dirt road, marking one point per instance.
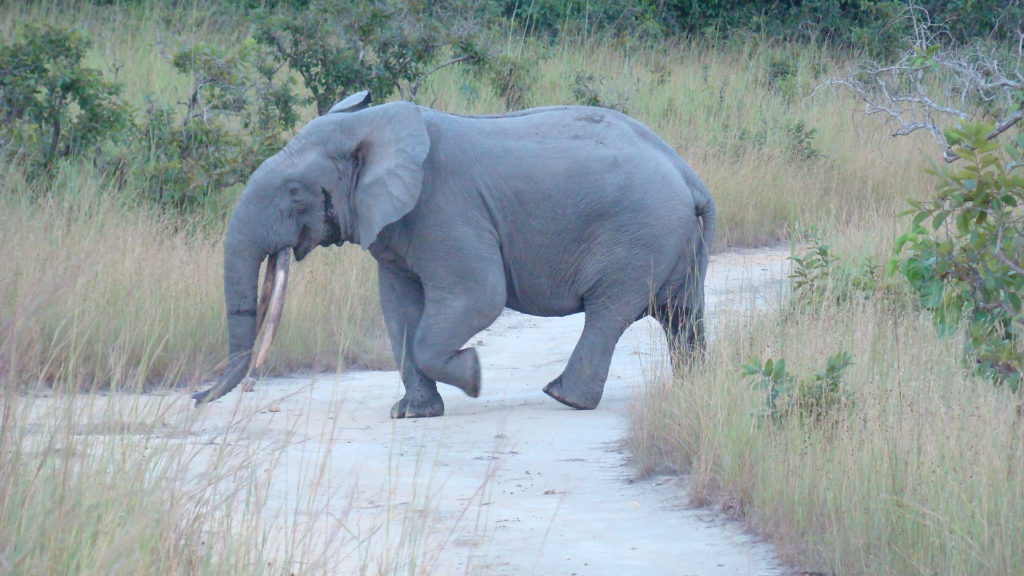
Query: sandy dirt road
point(510, 483)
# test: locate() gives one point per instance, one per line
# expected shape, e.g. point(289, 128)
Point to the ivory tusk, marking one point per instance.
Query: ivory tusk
point(276, 305)
point(268, 280)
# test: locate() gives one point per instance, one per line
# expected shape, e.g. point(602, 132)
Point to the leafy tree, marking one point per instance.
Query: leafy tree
point(236, 116)
point(51, 105)
point(964, 253)
point(381, 45)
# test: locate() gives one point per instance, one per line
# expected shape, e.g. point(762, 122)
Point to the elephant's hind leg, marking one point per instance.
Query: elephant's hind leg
point(581, 385)
point(684, 329)
point(680, 310)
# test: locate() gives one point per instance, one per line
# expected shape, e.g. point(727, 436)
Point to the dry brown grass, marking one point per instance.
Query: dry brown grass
point(923, 473)
point(105, 295)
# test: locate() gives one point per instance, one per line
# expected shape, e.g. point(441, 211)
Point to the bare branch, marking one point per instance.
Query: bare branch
point(1003, 257)
point(1005, 124)
point(932, 84)
point(415, 86)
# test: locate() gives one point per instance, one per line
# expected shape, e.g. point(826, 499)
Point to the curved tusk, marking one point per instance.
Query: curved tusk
point(268, 280)
point(276, 305)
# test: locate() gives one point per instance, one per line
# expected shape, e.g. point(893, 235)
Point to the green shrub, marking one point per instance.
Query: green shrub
point(811, 399)
point(512, 78)
point(964, 253)
point(818, 274)
point(50, 104)
point(235, 117)
point(380, 45)
point(800, 141)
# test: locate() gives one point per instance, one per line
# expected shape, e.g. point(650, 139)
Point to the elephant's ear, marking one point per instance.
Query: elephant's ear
point(353, 103)
point(390, 176)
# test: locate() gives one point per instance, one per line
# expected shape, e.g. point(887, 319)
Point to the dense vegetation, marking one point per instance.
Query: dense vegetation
point(268, 59)
point(870, 425)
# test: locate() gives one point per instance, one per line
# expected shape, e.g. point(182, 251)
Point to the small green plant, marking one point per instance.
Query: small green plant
point(810, 399)
point(50, 104)
point(964, 252)
point(819, 274)
point(800, 141)
point(811, 275)
point(771, 377)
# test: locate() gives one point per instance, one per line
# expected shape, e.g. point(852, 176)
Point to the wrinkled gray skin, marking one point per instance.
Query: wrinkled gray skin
point(549, 211)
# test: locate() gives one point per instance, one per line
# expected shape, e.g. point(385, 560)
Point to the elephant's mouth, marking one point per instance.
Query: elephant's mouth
point(331, 224)
point(305, 244)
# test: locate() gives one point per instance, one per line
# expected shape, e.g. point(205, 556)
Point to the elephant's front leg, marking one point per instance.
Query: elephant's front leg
point(401, 300)
point(455, 309)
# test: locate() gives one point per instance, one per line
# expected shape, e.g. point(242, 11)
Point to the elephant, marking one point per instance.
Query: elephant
point(549, 211)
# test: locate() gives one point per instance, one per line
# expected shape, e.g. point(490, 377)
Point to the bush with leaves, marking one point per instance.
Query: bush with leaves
point(236, 116)
point(818, 275)
point(811, 399)
point(964, 253)
point(381, 45)
point(50, 104)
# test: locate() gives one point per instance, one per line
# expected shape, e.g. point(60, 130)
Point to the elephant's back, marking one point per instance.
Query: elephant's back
point(578, 197)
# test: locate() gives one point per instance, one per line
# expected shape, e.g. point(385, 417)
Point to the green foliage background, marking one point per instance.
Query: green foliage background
point(273, 57)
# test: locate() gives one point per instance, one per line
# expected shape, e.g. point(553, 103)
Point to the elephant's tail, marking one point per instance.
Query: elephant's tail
point(705, 209)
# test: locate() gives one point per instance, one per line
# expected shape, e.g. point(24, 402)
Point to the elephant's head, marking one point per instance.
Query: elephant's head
point(344, 177)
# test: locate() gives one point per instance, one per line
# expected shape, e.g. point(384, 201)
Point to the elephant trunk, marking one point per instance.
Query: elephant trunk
point(241, 273)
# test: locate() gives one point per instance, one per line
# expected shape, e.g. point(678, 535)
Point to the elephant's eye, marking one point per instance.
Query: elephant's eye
point(299, 202)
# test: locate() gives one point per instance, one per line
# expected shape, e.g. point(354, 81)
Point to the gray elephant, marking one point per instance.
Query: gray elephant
point(550, 212)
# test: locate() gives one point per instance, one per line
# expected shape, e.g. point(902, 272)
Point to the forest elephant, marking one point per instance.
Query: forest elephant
point(549, 211)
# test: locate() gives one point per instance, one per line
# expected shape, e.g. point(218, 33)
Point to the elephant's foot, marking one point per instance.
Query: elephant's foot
point(461, 369)
point(579, 397)
point(201, 396)
point(428, 407)
point(472, 386)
